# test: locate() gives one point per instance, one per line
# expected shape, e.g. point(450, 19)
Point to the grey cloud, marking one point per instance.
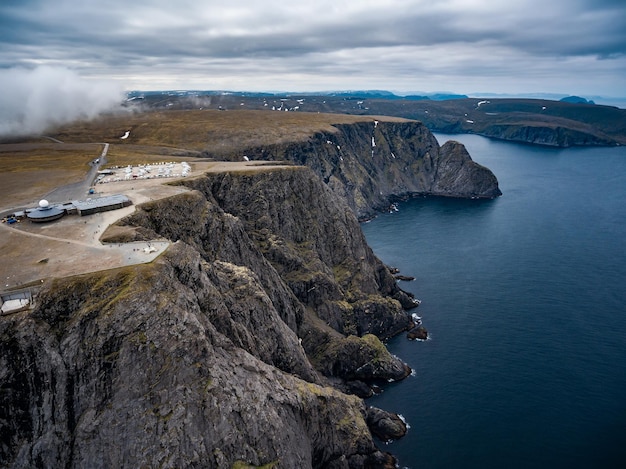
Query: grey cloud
point(34, 99)
point(117, 23)
point(244, 35)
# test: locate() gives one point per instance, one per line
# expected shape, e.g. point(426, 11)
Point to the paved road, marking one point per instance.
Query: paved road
point(79, 190)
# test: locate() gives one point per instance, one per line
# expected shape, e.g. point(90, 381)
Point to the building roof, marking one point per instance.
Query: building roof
point(43, 213)
point(100, 202)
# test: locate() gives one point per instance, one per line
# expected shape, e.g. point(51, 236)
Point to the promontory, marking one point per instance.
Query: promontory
point(253, 339)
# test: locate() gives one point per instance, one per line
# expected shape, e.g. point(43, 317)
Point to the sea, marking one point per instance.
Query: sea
point(524, 298)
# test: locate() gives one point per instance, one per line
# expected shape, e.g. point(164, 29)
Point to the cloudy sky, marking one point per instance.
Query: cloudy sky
point(464, 46)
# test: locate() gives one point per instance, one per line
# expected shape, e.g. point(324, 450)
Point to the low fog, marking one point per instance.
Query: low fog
point(33, 100)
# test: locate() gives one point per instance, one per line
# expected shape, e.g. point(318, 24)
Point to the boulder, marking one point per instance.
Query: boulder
point(385, 425)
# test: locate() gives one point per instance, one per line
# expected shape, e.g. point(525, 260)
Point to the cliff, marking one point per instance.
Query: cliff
point(368, 161)
point(372, 164)
point(219, 353)
point(547, 134)
point(535, 121)
point(252, 340)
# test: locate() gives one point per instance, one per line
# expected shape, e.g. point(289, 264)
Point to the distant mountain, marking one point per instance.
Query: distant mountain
point(446, 96)
point(576, 100)
point(547, 96)
point(356, 94)
point(362, 94)
point(382, 94)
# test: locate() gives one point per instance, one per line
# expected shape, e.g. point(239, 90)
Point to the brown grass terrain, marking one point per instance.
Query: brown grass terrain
point(188, 133)
point(36, 165)
point(31, 169)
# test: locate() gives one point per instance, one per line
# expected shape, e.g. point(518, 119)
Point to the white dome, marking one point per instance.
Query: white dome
point(43, 203)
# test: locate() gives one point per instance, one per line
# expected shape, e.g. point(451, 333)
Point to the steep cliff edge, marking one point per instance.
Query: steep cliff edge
point(372, 164)
point(125, 369)
point(218, 353)
point(307, 250)
point(535, 121)
point(233, 347)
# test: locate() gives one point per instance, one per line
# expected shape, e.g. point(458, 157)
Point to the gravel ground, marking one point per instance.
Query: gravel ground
point(31, 252)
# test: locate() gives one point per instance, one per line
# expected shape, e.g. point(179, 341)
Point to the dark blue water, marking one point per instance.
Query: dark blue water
point(525, 300)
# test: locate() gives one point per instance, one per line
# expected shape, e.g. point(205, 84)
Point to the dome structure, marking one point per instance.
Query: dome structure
point(45, 212)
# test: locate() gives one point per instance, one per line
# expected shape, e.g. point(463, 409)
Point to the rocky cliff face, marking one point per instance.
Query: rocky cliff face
point(247, 343)
point(549, 135)
point(219, 353)
point(126, 369)
point(371, 164)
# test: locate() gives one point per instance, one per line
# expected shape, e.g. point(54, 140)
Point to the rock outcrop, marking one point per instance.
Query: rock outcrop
point(222, 351)
point(384, 426)
point(371, 164)
point(458, 176)
point(126, 369)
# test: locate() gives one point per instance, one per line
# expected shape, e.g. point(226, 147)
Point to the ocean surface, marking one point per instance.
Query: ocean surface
point(524, 298)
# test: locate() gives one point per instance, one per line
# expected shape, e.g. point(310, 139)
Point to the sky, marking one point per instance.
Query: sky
point(405, 46)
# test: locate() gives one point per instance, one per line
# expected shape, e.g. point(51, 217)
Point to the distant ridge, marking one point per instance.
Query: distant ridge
point(384, 94)
point(348, 94)
point(570, 121)
point(576, 100)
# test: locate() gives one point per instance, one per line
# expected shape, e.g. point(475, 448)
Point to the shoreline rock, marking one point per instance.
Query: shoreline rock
point(404, 278)
point(386, 426)
point(418, 332)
